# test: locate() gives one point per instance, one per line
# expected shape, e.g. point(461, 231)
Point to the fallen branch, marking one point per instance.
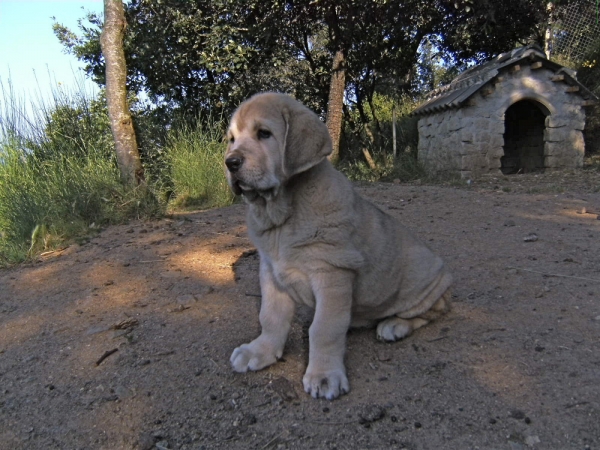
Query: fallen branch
point(106, 355)
point(315, 422)
point(555, 274)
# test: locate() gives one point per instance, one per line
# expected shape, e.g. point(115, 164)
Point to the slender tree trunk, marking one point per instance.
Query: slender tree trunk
point(365, 149)
point(335, 105)
point(111, 40)
point(394, 130)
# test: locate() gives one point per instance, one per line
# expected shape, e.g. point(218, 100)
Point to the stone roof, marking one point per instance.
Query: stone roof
point(458, 92)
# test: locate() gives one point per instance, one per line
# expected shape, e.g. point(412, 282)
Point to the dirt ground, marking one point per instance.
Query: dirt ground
point(124, 342)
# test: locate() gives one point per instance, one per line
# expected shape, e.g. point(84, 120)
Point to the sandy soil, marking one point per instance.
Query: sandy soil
point(124, 342)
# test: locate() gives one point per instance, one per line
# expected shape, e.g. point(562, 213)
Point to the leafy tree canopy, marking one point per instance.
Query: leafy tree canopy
point(205, 56)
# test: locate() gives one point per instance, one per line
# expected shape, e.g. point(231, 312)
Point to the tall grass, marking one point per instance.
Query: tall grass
point(58, 175)
point(195, 159)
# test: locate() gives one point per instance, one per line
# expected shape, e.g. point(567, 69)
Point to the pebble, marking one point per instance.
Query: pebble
point(123, 392)
point(371, 413)
point(597, 318)
point(509, 223)
point(532, 237)
point(145, 442)
point(162, 445)
point(186, 299)
point(516, 414)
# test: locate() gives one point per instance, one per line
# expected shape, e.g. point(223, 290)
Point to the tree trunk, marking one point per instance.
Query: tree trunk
point(335, 105)
point(111, 40)
point(365, 149)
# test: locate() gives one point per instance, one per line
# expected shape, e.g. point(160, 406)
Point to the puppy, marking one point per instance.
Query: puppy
point(321, 245)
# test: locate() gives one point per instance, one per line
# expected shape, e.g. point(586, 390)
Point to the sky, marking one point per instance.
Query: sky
point(29, 49)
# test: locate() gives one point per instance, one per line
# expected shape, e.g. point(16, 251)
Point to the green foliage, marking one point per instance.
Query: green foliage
point(195, 158)
point(85, 47)
point(58, 175)
point(205, 56)
point(434, 68)
point(405, 168)
point(62, 195)
point(479, 29)
point(185, 55)
point(377, 135)
point(588, 72)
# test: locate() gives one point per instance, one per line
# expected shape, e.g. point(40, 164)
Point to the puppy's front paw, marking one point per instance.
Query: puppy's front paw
point(329, 384)
point(252, 356)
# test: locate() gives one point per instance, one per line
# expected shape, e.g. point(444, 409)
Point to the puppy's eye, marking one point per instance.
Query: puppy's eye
point(264, 134)
point(231, 139)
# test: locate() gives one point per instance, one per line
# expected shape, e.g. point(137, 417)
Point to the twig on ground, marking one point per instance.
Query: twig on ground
point(315, 422)
point(271, 441)
point(554, 274)
point(106, 354)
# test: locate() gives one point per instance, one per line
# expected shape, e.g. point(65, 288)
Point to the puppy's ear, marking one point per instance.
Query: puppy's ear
point(307, 140)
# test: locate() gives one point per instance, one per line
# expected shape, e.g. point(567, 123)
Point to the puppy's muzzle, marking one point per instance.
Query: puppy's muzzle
point(234, 163)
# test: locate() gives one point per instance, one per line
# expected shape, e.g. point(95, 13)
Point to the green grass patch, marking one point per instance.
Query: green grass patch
point(46, 202)
point(195, 158)
point(58, 175)
point(404, 168)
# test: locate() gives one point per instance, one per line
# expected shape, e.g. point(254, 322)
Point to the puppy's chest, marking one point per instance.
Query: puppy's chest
point(290, 252)
point(294, 279)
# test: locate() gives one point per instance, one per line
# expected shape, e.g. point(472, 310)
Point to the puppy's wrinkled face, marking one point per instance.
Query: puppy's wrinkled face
point(254, 154)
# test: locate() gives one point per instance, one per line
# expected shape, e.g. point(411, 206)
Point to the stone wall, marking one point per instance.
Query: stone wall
point(470, 140)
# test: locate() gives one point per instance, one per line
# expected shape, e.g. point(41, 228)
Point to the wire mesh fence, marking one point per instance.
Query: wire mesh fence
point(574, 31)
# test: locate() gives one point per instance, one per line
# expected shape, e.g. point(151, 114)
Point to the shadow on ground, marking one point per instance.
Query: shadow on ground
point(125, 342)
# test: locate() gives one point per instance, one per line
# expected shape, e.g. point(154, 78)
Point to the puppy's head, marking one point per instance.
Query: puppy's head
point(272, 137)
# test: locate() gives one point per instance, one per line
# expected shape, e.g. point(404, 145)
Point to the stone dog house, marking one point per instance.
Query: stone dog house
point(517, 113)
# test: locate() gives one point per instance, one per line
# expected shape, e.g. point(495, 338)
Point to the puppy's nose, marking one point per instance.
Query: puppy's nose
point(234, 163)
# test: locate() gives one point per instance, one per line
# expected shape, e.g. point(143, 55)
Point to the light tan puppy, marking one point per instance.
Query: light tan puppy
point(321, 245)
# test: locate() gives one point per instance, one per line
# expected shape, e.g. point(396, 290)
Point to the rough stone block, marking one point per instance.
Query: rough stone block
point(495, 151)
point(473, 162)
point(496, 126)
point(496, 140)
point(556, 134)
point(468, 148)
point(454, 124)
point(494, 162)
point(556, 121)
point(482, 137)
point(562, 161)
point(467, 135)
point(553, 148)
point(578, 142)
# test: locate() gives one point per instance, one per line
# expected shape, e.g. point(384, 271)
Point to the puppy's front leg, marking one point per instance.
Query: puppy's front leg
point(326, 373)
point(276, 314)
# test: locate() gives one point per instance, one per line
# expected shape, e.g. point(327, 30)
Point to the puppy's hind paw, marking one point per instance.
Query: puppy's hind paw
point(329, 385)
point(395, 328)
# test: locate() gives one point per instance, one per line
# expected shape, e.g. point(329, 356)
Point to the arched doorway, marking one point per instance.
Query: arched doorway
point(524, 123)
